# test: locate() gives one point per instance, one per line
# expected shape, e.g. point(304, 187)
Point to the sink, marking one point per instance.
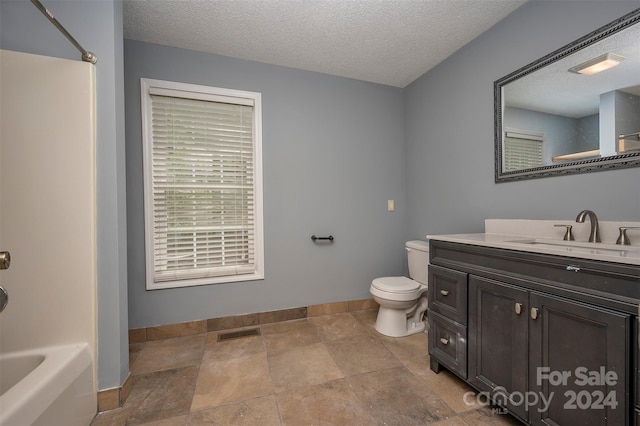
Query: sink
point(579, 246)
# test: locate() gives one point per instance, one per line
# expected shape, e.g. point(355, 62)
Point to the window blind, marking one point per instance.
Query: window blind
point(522, 151)
point(203, 174)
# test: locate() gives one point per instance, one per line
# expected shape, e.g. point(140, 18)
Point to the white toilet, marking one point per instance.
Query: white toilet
point(402, 300)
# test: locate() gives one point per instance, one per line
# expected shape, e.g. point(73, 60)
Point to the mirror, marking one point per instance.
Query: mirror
point(560, 115)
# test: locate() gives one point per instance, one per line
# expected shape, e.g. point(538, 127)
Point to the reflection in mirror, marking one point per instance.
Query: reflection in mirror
point(576, 110)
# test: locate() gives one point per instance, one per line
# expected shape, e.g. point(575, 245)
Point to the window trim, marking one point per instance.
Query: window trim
point(202, 93)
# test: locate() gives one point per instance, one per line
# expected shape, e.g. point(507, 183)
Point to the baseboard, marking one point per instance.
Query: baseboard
point(167, 331)
point(110, 399)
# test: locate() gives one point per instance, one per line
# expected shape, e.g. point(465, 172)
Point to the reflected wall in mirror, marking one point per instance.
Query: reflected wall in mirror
point(575, 110)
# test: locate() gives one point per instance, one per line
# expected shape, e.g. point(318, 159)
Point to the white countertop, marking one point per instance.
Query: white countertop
point(542, 237)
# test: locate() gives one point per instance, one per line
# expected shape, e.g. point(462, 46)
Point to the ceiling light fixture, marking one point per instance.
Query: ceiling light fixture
point(596, 65)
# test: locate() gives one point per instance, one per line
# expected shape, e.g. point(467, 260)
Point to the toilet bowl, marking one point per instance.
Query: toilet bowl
point(403, 300)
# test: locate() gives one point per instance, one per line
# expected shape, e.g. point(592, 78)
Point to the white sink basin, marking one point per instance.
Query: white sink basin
point(579, 246)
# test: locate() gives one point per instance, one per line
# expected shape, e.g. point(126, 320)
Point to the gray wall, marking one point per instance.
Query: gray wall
point(588, 133)
point(97, 25)
point(449, 131)
point(333, 156)
point(627, 113)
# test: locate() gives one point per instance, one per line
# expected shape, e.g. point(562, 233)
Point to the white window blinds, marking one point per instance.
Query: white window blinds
point(522, 151)
point(203, 188)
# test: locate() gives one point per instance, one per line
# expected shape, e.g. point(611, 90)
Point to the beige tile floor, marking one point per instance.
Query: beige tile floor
point(326, 370)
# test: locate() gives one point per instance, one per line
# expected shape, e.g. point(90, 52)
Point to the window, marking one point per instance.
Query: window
point(522, 150)
point(202, 184)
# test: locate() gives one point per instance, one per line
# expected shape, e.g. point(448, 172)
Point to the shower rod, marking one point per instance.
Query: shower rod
point(86, 55)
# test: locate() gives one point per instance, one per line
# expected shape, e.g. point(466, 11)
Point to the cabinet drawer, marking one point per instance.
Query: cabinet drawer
point(448, 293)
point(448, 343)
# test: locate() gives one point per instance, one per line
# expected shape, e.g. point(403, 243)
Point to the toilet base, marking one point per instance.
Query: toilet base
point(395, 323)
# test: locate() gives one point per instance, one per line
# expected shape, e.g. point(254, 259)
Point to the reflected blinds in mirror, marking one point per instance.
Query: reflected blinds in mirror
point(522, 150)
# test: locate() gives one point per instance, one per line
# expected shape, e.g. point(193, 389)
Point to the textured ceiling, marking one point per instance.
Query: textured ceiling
point(390, 42)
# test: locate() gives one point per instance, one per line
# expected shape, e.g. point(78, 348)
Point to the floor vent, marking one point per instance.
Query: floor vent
point(238, 334)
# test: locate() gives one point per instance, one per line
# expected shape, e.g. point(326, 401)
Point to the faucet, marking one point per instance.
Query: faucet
point(594, 237)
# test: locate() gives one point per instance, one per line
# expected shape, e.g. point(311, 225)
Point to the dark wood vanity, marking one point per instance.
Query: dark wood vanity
point(552, 339)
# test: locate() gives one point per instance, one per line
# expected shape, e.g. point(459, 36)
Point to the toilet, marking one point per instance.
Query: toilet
point(402, 300)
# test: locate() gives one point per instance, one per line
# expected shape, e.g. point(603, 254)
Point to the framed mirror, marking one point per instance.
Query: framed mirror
point(576, 110)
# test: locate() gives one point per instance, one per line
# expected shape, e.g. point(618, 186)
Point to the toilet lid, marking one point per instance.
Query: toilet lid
point(395, 284)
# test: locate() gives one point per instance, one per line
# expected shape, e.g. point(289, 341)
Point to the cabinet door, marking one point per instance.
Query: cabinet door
point(498, 341)
point(579, 362)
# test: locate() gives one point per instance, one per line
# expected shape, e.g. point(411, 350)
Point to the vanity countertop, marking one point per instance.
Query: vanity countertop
point(542, 237)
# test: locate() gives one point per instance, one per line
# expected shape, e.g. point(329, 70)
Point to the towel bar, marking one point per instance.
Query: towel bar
point(329, 238)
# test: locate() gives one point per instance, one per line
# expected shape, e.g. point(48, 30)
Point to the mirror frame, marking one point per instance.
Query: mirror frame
point(631, 159)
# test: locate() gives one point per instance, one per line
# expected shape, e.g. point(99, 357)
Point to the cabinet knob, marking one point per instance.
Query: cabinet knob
point(444, 341)
point(5, 259)
point(518, 308)
point(444, 292)
point(534, 313)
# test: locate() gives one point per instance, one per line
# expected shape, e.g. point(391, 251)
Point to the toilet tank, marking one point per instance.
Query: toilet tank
point(418, 259)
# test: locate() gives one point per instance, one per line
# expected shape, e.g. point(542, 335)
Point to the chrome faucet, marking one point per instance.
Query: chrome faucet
point(594, 236)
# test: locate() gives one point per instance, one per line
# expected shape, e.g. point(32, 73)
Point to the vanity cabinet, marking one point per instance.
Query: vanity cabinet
point(553, 347)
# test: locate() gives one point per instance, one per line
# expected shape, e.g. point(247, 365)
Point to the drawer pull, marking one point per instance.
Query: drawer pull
point(534, 313)
point(444, 292)
point(518, 308)
point(573, 268)
point(444, 341)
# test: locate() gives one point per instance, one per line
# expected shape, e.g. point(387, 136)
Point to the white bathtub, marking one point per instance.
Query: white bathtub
point(47, 386)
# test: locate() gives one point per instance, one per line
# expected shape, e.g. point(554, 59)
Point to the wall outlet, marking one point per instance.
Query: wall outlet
point(391, 205)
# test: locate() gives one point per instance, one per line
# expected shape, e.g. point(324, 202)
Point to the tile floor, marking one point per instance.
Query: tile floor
point(326, 370)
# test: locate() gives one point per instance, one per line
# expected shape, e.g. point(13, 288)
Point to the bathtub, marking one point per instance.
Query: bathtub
point(47, 386)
